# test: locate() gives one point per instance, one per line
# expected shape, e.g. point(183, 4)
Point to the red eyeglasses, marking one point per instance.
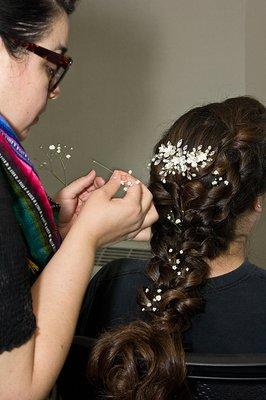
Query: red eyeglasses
point(61, 61)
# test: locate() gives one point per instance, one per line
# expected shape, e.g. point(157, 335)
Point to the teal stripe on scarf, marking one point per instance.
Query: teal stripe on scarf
point(36, 213)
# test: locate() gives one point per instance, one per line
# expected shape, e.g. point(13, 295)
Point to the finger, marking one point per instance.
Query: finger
point(144, 232)
point(112, 186)
point(147, 197)
point(98, 182)
point(133, 188)
point(143, 236)
point(80, 184)
point(150, 218)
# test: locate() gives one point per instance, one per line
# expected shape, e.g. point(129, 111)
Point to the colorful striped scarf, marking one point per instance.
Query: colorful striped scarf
point(35, 211)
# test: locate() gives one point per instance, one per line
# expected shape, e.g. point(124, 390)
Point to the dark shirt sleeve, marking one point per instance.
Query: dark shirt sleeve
point(17, 321)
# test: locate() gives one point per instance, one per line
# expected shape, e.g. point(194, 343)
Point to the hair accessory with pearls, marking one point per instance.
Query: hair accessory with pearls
point(178, 160)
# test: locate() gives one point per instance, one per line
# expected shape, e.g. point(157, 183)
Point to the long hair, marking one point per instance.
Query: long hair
point(145, 360)
point(29, 20)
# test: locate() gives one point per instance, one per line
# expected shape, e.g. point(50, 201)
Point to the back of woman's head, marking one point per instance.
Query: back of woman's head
point(29, 20)
point(201, 195)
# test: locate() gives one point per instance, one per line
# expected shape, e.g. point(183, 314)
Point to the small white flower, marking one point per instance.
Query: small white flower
point(226, 183)
point(147, 290)
point(154, 309)
point(181, 252)
point(178, 261)
point(174, 267)
point(179, 273)
point(54, 152)
point(158, 298)
point(159, 290)
point(187, 269)
point(148, 304)
point(170, 250)
point(214, 183)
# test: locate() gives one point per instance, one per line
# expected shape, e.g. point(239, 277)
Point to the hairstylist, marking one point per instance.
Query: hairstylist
point(42, 279)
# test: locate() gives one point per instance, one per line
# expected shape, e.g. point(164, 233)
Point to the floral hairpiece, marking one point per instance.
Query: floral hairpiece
point(179, 160)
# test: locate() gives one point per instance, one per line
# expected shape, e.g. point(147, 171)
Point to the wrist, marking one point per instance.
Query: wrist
point(80, 231)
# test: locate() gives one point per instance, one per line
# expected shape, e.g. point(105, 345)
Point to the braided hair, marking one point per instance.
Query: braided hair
point(197, 222)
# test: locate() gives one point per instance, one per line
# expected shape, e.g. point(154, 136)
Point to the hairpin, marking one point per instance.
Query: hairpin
point(178, 160)
point(123, 183)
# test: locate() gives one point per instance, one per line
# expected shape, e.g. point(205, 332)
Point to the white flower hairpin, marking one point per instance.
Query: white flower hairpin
point(127, 184)
point(178, 160)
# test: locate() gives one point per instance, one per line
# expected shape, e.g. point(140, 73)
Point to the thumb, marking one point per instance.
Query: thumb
point(113, 185)
point(77, 186)
point(98, 182)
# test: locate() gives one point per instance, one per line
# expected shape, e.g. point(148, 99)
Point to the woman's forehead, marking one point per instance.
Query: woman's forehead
point(57, 37)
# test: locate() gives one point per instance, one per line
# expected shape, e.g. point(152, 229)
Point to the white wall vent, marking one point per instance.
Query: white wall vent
point(121, 250)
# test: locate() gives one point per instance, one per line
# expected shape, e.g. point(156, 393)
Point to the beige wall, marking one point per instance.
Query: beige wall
point(138, 65)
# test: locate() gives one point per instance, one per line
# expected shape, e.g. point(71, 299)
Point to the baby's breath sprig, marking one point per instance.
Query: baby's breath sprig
point(61, 153)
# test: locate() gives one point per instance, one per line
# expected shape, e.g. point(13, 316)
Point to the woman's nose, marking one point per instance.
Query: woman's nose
point(54, 94)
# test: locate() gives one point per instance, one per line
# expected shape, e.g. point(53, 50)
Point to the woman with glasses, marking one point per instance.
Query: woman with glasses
point(46, 249)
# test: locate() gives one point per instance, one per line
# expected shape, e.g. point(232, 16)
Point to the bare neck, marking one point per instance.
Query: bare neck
point(231, 260)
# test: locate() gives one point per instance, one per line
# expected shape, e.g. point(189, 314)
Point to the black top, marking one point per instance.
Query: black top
point(17, 321)
point(233, 319)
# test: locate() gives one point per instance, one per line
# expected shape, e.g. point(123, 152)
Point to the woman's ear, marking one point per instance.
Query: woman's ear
point(258, 203)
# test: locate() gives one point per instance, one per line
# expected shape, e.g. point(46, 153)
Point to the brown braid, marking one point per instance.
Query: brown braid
point(146, 360)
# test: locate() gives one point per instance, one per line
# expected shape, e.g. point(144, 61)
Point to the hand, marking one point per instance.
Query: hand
point(105, 219)
point(73, 197)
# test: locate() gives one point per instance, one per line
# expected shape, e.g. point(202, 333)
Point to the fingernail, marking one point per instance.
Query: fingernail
point(115, 175)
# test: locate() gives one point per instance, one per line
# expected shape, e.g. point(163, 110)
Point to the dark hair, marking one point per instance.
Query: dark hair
point(29, 20)
point(146, 359)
